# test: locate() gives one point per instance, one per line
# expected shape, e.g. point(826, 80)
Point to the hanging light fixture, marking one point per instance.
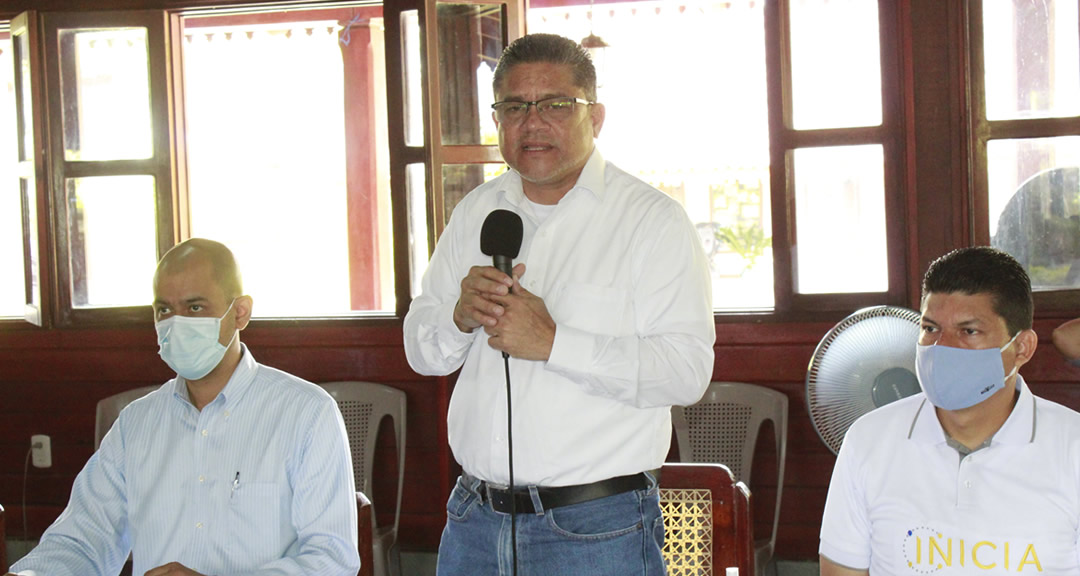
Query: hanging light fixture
point(596, 47)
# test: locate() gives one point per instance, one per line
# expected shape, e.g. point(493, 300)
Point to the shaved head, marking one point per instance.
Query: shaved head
point(200, 251)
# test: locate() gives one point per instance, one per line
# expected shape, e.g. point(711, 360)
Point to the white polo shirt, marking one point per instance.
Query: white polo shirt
point(901, 501)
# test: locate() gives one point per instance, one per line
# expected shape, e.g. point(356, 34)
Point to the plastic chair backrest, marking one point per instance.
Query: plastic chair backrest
point(707, 523)
point(723, 427)
point(108, 410)
point(363, 405)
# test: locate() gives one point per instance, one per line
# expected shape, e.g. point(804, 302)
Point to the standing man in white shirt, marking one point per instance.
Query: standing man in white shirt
point(975, 475)
point(230, 468)
point(607, 321)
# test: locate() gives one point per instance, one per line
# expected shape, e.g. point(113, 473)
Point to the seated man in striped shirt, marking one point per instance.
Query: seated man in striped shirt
point(232, 467)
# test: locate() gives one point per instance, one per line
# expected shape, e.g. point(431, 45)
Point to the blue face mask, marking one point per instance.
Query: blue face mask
point(958, 378)
point(190, 346)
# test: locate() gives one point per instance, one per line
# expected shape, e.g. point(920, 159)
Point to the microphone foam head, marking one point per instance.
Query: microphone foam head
point(501, 234)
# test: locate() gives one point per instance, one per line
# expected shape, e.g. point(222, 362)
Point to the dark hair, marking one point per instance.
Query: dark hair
point(550, 48)
point(985, 270)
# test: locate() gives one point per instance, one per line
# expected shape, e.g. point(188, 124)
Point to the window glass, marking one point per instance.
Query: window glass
point(105, 90)
point(111, 240)
point(21, 53)
point(1034, 206)
point(457, 180)
point(840, 210)
point(697, 132)
point(835, 64)
point(470, 44)
point(12, 287)
point(460, 179)
point(287, 158)
point(413, 85)
point(416, 191)
point(1031, 59)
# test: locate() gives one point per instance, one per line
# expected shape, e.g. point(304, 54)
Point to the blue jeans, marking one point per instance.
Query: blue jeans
point(620, 535)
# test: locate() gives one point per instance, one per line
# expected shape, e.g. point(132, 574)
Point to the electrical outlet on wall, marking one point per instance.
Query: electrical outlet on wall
point(41, 451)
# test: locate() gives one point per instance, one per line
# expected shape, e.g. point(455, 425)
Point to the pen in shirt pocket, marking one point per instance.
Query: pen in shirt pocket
point(235, 485)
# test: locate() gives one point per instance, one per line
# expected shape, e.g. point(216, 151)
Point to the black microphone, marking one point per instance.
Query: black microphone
point(500, 238)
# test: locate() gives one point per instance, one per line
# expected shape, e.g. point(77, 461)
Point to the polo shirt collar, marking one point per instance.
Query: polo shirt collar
point(591, 179)
point(1019, 427)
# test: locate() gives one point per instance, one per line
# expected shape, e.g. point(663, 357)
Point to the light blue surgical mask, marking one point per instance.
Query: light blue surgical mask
point(958, 378)
point(190, 346)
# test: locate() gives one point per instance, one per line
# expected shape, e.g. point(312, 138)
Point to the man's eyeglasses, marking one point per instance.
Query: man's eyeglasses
point(555, 109)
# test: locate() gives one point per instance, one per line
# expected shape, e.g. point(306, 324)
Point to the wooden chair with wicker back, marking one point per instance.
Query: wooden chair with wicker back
point(707, 522)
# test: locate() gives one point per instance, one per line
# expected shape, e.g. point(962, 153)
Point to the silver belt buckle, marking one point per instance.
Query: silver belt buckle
point(491, 489)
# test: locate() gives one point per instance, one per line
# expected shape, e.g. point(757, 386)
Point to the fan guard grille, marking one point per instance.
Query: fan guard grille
point(848, 361)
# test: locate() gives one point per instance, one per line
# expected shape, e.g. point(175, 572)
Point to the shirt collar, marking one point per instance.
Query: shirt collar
point(590, 179)
point(238, 383)
point(964, 450)
point(1019, 427)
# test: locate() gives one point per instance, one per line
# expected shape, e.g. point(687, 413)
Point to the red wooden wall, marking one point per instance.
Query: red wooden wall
point(50, 382)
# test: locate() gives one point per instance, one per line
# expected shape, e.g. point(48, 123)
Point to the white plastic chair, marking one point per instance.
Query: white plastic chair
point(363, 406)
point(108, 410)
point(723, 427)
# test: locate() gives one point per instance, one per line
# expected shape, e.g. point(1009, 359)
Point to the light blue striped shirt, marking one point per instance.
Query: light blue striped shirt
point(259, 482)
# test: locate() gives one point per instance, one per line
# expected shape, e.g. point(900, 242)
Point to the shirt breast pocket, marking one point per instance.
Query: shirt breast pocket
point(595, 309)
point(254, 516)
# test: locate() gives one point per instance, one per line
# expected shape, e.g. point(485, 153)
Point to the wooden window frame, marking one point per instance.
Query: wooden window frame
point(784, 139)
point(160, 165)
point(31, 172)
point(438, 153)
point(167, 165)
point(982, 131)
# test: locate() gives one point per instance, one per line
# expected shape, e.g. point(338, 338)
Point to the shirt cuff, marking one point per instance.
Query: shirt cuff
point(452, 337)
point(571, 350)
point(1075, 362)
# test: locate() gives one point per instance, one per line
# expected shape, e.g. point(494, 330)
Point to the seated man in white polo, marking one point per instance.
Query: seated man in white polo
point(975, 475)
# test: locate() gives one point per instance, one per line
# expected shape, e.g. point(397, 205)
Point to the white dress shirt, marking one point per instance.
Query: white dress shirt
point(258, 482)
point(902, 502)
point(623, 274)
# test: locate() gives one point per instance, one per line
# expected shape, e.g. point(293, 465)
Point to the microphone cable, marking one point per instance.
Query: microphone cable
point(510, 457)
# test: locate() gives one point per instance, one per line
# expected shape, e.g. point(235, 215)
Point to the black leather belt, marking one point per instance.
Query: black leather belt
point(562, 495)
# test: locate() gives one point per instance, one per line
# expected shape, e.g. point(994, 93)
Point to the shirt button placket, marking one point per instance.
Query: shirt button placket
point(965, 490)
point(202, 497)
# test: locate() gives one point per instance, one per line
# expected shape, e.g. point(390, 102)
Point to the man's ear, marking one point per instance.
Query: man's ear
point(596, 114)
point(242, 309)
point(1026, 343)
